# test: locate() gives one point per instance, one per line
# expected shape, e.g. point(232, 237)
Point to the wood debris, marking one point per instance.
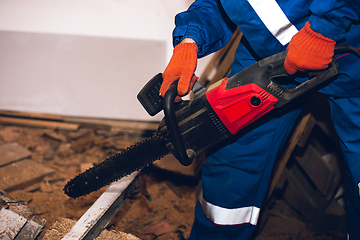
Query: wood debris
point(63, 225)
point(12, 152)
point(17, 221)
point(22, 174)
point(172, 187)
point(39, 123)
point(51, 152)
point(36, 120)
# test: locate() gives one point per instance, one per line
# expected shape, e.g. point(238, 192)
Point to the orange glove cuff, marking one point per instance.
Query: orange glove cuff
point(182, 66)
point(308, 50)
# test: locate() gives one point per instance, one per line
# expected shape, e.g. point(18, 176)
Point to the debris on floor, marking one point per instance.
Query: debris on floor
point(63, 225)
point(52, 155)
point(16, 172)
point(69, 152)
point(18, 221)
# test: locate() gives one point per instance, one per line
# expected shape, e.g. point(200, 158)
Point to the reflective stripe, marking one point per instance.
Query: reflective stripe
point(359, 188)
point(274, 19)
point(226, 216)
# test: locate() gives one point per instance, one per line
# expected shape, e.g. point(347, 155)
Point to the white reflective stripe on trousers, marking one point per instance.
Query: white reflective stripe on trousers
point(229, 216)
point(274, 19)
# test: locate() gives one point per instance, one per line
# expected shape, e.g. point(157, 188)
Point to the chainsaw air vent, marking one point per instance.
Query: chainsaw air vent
point(264, 95)
point(218, 122)
point(229, 100)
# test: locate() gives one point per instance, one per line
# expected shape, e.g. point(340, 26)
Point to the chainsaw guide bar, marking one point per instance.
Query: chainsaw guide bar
point(117, 166)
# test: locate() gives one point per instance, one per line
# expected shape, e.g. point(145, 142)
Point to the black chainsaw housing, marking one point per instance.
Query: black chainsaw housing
point(192, 127)
point(199, 128)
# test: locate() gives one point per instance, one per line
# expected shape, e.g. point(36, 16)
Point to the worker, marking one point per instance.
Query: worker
point(235, 178)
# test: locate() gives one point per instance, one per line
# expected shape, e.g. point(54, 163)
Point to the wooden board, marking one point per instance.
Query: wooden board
point(297, 134)
point(12, 152)
point(116, 124)
point(317, 170)
point(31, 115)
point(10, 224)
point(299, 196)
point(39, 123)
point(97, 217)
point(333, 219)
point(71, 123)
point(22, 174)
point(17, 220)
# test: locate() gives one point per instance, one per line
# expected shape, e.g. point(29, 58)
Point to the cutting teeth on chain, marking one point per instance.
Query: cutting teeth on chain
point(115, 167)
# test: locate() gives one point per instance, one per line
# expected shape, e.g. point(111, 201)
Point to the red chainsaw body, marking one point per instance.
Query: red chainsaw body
point(240, 106)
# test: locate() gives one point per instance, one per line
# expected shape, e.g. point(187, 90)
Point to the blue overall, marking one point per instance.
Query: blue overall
point(235, 178)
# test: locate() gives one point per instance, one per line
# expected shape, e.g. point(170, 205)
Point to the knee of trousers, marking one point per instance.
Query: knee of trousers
point(237, 175)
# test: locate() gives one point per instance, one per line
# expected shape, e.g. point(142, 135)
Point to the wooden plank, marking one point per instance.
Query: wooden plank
point(15, 206)
point(303, 137)
point(300, 197)
point(39, 123)
point(12, 152)
point(317, 170)
point(333, 219)
point(15, 215)
point(116, 124)
point(103, 210)
point(31, 230)
point(288, 149)
point(31, 115)
point(21, 174)
point(10, 224)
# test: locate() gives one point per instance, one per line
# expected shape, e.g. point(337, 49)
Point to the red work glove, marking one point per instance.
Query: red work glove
point(308, 50)
point(182, 66)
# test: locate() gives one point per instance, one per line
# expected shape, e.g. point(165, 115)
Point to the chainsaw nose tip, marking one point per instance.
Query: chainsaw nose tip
point(68, 190)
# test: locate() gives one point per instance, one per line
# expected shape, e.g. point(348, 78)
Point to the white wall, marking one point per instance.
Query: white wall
point(138, 19)
point(84, 58)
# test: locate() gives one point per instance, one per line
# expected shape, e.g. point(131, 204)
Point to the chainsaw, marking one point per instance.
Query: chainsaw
point(215, 114)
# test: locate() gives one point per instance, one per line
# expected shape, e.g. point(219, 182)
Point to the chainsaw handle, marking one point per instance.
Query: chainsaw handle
point(316, 78)
point(149, 96)
point(267, 72)
point(185, 157)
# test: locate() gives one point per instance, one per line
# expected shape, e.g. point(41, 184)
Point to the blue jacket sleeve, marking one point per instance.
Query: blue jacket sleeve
point(333, 18)
point(206, 22)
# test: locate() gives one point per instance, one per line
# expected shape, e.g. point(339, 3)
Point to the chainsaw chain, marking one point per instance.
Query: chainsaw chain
point(117, 166)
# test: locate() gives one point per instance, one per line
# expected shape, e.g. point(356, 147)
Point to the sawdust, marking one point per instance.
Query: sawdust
point(173, 196)
point(89, 146)
point(63, 225)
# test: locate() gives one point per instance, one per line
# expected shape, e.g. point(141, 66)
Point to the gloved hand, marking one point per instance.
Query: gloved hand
point(182, 66)
point(308, 50)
